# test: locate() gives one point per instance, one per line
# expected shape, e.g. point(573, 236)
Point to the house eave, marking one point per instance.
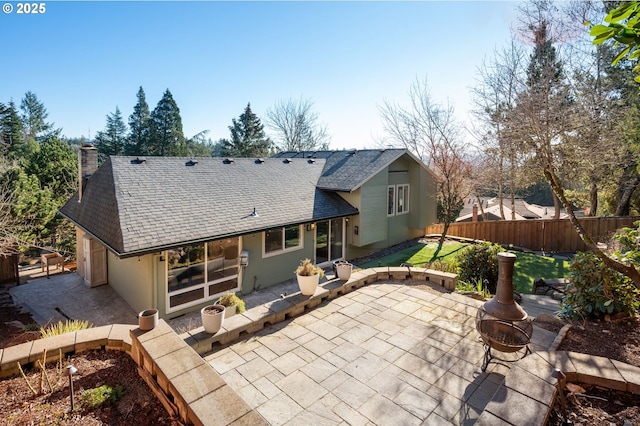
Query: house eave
point(160, 248)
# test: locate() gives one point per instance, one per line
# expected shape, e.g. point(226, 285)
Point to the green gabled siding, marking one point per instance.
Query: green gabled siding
point(426, 200)
point(376, 229)
point(373, 216)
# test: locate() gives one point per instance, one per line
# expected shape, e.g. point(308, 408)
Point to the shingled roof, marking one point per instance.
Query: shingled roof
point(348, 170)
point(136, 207)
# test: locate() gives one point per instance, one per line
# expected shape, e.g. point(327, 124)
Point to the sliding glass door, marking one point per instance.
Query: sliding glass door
point(329, 241)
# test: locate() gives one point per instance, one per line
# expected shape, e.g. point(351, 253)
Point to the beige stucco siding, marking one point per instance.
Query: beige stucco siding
point(132, 279)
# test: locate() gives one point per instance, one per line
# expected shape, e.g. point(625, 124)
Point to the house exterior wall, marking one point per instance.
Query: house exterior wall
point(132, 279)
point(352, 239)
point(426, 199)
point(376, 230)
point(263, 272)
point(80, 252)
point(373, 217)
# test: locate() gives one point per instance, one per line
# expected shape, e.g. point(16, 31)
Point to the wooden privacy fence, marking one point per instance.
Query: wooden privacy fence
point(9, 269)
point(545, 235)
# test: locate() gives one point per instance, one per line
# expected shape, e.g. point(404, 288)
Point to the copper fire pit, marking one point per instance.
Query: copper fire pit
point(502, 323)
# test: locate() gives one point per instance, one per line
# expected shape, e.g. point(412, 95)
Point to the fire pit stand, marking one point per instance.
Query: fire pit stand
point(502, 323)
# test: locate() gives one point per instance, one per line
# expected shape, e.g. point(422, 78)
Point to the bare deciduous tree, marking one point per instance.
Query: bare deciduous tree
point(499, 82)
point(296, 125)
point(431, 132)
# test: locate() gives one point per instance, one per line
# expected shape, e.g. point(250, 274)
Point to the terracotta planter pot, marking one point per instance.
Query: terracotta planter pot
point(148, 319)
point(212, 318)
point(308, 284)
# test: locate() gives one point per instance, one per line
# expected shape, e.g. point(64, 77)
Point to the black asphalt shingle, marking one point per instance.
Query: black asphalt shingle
point(348, 170)
point(164, 201)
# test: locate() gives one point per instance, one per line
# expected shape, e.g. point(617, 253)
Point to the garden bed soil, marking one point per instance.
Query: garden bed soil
point(18, 405)
point(619, 340)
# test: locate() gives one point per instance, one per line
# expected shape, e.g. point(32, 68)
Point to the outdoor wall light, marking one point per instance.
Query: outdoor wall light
point(356, 230)
point(71, 370)
point(311, 226)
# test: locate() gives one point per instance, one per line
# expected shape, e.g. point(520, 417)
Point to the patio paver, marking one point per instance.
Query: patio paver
point(384, 354)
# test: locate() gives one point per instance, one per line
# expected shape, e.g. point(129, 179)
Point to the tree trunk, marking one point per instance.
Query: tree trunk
point(626, 187)
point(556, 205)
point(627, 270)
point(500, 200)
point(593, 198)
point(482, 213)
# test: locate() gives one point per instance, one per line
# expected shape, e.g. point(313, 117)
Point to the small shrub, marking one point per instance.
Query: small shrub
point(595, 290)
point(32, 326)
point(307, 269)
point(96, 397)
point(230, 299)
point(478, 288)
point(629, 244)
point(479, 263)
point(439, 265)
point(64, 327)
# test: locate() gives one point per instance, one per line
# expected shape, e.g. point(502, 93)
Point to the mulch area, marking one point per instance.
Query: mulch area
point(19, 406)
point(593, 405)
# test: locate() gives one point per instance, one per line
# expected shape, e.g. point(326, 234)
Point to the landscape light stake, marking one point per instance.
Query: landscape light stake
point(560, 385)
point(71, 370)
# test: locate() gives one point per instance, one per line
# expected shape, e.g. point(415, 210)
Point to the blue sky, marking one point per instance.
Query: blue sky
point(82, 59)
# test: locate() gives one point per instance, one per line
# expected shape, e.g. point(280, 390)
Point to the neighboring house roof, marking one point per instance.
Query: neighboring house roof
point(523, 210)
point(348, 170)
point(136, 208)
point(492, 212)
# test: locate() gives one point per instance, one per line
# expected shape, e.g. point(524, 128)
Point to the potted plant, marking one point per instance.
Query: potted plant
point(212, 318)
point(232, 303)
point(308, 276)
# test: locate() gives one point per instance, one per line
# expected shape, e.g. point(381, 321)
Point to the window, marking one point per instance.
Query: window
point(280, 240)
point(391, 200)
point(403, 199)
point(200, 272)
point(397, 199)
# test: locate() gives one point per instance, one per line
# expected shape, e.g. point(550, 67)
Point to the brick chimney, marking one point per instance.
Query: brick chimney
point(474, 214)
point(87, 166)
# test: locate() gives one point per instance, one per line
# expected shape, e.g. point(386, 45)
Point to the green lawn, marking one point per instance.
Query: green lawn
point(528, 268)
point(417, 255)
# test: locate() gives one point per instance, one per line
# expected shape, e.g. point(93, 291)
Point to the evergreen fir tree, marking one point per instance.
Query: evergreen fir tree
point(545, 107)
point(112, 141)
point(247, 137)
point(544, 71)
point(167, 138)
point(11, 130)
point(139, 127)
point(55, 165)
point(34, 116)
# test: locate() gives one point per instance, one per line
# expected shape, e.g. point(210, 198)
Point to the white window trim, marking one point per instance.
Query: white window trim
point(283, 250)
point(204, 285)
point(393, 212)
point(399, 190)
